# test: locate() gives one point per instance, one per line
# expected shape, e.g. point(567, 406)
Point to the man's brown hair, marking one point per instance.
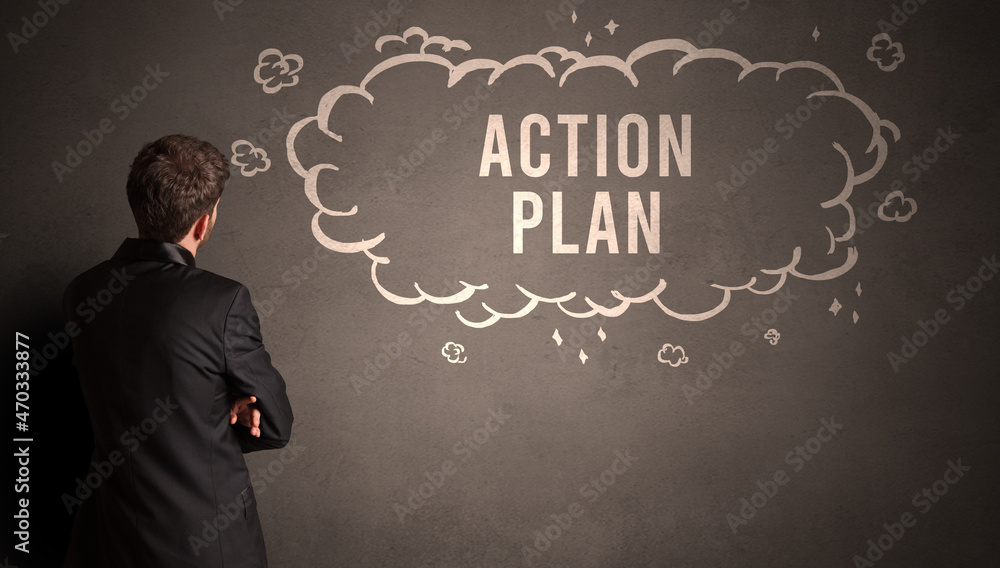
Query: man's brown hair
point(172, 183)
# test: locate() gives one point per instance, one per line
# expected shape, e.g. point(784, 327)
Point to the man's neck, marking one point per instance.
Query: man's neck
point(190, 244)
point(187, 242)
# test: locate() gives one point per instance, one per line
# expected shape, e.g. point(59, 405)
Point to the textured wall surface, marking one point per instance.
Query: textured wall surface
point(429, 433)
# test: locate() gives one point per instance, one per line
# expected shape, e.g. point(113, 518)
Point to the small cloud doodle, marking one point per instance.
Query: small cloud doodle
point(276, 71)
point(885, 53)
point(889, 211)
point(667, 352)
point(772, 336)
point(454, 352)
point(249, 158)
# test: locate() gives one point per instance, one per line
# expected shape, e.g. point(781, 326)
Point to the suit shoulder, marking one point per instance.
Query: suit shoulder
point(87, 277)
point(216, 283)
point(99, 268)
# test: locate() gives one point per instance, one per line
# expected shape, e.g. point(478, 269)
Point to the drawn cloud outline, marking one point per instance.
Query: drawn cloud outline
point(903, 200)
point(284, 67)
point(456, 72)
point(259, 153)
point(457, 348)
point(683, 359)
point(897, 57)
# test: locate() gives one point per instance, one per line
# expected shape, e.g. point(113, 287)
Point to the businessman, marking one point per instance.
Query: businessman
point(176, 379)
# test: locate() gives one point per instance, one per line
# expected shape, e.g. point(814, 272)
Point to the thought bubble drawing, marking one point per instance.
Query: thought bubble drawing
point(769, 279)
point(275, 70)
point(453, 352)
point(257, 162)
point(772, 336)
point(901, 213)
point(673, 356)
point(885, 53)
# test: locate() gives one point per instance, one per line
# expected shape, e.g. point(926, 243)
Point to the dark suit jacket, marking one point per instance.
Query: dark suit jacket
point(163, 348)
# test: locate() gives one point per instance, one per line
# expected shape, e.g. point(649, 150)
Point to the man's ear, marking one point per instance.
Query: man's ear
point(200, 226)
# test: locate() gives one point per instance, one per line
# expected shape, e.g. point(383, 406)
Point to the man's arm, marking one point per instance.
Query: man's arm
point(249, 373)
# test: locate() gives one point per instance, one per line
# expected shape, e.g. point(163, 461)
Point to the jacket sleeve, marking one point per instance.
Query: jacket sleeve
point(249, 372)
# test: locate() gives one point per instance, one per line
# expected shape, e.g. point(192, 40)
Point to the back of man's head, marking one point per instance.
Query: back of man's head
point(172, 183)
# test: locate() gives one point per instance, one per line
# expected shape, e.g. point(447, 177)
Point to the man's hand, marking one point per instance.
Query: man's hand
point(244, 412)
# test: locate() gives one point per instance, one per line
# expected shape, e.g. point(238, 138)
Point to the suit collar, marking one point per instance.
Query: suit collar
point(149, 249)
